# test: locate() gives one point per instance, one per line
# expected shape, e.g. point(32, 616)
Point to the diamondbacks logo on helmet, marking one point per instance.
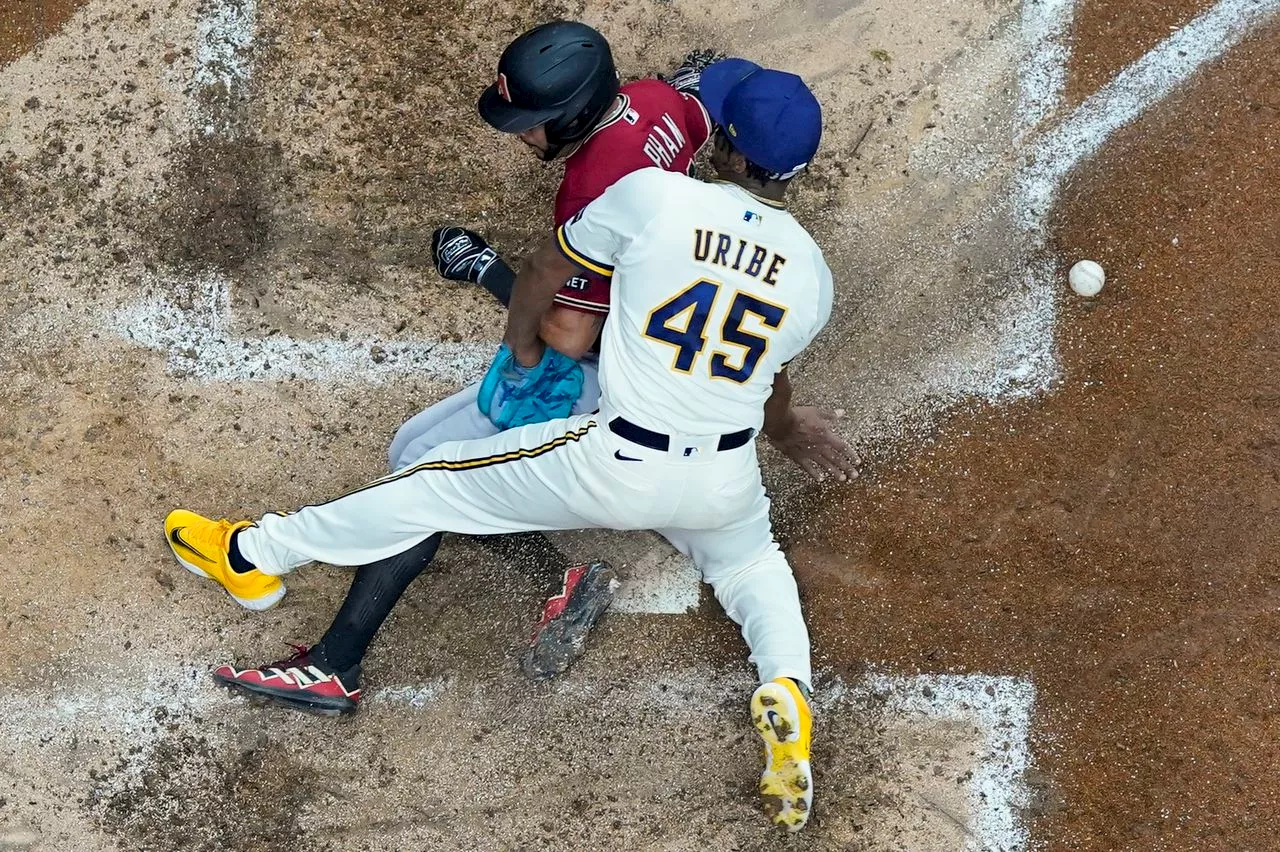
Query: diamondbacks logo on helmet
point(503, 90)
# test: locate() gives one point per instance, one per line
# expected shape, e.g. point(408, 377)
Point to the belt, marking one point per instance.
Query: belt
point(658, 441)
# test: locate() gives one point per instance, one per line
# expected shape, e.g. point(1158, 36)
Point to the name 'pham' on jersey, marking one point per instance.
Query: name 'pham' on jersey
point(725, 248)
point(665, 142)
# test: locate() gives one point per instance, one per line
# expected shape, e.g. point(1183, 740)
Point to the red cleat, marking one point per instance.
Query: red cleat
point(303, 682)
point(560, 636)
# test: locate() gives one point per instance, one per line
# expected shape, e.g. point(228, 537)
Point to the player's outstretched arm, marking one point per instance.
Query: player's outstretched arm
point(462, 255)
point(540, 278)
point(805, 434)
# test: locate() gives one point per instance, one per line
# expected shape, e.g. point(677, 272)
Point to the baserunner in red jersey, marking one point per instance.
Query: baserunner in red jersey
point(558, 90)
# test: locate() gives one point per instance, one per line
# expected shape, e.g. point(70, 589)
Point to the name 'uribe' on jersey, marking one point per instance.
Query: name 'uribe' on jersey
point(724, 289)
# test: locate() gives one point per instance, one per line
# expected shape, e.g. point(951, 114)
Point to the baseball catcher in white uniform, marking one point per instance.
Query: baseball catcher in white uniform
point(715, 289)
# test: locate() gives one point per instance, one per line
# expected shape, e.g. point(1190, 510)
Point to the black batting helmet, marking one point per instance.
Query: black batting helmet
point(560, 74)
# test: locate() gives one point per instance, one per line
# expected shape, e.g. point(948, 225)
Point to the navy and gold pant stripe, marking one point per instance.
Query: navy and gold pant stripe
point(476, 463)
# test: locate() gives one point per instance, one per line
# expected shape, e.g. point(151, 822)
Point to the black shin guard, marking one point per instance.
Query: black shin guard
point(374, 593)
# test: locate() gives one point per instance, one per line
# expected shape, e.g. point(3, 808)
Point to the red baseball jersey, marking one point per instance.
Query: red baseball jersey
point(651, 125)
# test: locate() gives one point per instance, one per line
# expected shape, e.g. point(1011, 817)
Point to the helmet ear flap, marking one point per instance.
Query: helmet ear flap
point(591, 103)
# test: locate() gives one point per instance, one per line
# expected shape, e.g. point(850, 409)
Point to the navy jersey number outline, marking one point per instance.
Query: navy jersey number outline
point(681, 322)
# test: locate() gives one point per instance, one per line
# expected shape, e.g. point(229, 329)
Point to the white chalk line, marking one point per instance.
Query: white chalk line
point(1044, 28)
point(1027, 363)
point(200, 344)
point(224, 39)
point(1135, 89)
point(999, 707)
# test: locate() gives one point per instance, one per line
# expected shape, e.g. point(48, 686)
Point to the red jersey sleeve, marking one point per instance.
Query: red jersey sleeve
point(651, 125)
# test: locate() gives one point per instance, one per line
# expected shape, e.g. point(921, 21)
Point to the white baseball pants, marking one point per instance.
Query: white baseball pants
point(571, 474)
point(458, 418)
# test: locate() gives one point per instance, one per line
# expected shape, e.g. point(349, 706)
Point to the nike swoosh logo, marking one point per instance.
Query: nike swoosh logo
point(617, 454)
point(176, 538)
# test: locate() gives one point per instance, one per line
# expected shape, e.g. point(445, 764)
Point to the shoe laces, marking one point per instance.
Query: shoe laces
point(300, 653)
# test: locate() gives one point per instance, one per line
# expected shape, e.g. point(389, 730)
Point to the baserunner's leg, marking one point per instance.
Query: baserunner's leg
point(458, 418)
point(454, 418)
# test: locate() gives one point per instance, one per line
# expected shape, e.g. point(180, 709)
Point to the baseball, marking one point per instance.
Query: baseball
point(1087, 278)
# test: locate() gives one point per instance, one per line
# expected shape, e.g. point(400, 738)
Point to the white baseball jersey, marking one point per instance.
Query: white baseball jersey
point(715, 290)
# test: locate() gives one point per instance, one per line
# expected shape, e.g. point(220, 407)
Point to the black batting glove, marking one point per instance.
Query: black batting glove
point(688, 76)
point(460, 255)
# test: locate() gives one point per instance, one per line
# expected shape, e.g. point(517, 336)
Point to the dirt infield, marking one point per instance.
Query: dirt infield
point(213, 220)
point(1117, 540)
point(24, 25)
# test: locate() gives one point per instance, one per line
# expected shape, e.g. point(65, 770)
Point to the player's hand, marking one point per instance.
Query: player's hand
point(687, 77)
point(460, 255)
point(812, 442)
point(513, 394)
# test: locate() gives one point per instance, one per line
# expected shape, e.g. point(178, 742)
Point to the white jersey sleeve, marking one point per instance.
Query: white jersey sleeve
point(600, 234)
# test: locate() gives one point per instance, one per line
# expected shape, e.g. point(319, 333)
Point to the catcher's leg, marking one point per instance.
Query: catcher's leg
point(753, 582)
point(780, 713)
point(518, 481)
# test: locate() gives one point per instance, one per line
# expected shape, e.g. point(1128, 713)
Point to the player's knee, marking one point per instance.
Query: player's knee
point(569, 332)
point(766, 582)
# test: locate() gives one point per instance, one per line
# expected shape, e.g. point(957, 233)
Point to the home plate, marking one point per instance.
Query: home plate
point(655, 577)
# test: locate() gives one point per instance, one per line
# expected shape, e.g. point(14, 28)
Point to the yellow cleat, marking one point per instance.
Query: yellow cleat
point(781, 715)
point(203, 547)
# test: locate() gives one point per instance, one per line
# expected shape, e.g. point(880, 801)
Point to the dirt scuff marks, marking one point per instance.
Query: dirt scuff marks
point(216, 213)
point(187, 794)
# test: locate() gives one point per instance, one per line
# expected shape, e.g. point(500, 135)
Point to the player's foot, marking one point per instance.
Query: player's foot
point(560, 636)
point(303, 682)
point(781, 715)
point(203, 546)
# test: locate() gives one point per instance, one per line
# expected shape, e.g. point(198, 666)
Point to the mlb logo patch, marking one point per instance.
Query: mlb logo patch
point(752, 216)
point(631, 116)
